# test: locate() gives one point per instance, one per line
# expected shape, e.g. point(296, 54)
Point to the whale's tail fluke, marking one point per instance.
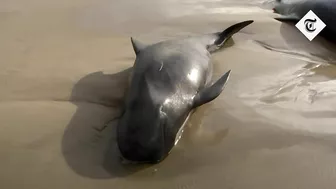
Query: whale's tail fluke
point(223, 36)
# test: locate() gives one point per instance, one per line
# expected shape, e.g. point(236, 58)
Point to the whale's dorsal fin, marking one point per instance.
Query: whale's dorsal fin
point(137, 46)
point(211, 92)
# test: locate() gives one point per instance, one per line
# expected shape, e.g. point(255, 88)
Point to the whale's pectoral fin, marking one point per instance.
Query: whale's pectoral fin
point(210, 93)
point(137, 46)
point(230, 31)
point(287, 18)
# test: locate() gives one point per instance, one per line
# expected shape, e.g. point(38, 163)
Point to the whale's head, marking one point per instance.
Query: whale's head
point(141, 135)
point(288, 7)
point(282, 7)
point(144, 132)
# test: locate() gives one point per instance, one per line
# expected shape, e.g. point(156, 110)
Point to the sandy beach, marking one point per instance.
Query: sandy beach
point(64, 68)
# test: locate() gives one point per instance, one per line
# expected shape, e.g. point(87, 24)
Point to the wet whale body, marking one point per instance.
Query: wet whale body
point(294, 10)
point(170, 80)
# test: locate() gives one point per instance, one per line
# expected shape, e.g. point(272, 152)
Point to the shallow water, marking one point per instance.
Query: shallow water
point(64, 71)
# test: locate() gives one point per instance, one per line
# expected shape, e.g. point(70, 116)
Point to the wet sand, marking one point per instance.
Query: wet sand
point(63, 74)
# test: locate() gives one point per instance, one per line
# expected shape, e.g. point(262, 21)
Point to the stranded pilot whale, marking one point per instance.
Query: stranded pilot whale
point(170, 80)
point(294, 10)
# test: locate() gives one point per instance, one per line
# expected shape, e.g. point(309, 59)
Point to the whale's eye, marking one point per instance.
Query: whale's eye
point(275, 10)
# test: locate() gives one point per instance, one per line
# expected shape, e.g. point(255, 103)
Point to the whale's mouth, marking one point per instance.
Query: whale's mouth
point(125, 161)
point(181, 130)
point(131, 161)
